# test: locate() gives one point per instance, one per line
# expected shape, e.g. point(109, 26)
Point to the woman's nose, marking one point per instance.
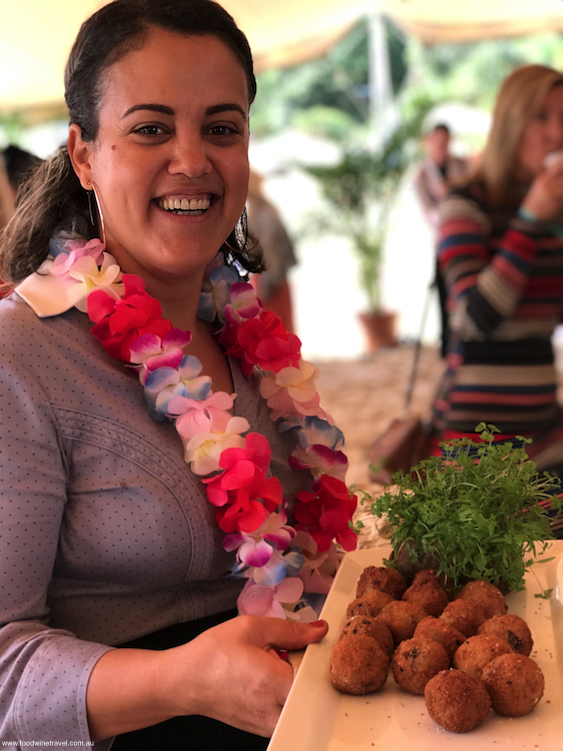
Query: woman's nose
point(190, 158)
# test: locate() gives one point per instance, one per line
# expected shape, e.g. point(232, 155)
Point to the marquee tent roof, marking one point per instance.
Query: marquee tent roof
point(36, 35)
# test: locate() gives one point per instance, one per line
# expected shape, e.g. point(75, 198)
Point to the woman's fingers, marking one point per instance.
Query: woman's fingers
point(235, 673)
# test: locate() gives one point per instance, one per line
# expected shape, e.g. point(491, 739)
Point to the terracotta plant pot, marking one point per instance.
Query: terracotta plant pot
point(380, 329)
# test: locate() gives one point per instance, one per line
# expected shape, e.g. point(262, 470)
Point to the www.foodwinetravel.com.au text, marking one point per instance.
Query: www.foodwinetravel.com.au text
point(47, 744)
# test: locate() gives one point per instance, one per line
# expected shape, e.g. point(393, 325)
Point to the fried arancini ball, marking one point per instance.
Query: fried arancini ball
point(383, 578)
point(363, 624)
point(429, 576)
point(515, 684)
point(457, 701)
point(358, 665)
point(512, 629)
point(437, 630)
point(429, 596)
point(401, 618)
point(372, 603)
point(416, 661)
point(465, 615)
point(486, 594)
point(478, 651)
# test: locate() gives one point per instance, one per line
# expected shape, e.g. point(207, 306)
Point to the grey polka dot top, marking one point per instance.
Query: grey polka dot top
point(105, 534)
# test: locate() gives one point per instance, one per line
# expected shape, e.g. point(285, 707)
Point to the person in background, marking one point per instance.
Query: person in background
point(15, 165)
point(439, 171)
point(19, 164)
point(129, 539)
point(265, 224)
point(501, 254)
point(7, 197)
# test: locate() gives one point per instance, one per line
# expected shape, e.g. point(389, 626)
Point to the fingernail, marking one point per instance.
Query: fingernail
point(318, 624)
point(282, 654)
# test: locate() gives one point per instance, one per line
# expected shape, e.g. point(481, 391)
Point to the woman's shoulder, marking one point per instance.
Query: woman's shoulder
point(19, 324)
point(44, 348)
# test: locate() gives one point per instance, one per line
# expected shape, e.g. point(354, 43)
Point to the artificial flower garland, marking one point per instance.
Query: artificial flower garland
point(279, 561)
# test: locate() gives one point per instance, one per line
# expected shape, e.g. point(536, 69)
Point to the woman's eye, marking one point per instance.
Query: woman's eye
point(149, 130)
point(222, 130)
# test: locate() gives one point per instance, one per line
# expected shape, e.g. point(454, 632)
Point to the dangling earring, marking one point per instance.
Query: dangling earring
point(100, 223)
point(241, 235)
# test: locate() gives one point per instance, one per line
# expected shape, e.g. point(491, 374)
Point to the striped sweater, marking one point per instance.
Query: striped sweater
point(504, 276)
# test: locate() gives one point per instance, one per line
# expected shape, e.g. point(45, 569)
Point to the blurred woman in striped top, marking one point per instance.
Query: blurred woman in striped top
point(501, 253)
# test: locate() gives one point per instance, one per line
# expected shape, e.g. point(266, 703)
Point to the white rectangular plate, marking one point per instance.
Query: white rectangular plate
point(317, 717)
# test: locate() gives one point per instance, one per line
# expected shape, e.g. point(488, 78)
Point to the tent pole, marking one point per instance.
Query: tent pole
point(380, 88)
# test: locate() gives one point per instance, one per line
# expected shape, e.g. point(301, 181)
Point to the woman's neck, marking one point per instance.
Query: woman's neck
point(178, 298)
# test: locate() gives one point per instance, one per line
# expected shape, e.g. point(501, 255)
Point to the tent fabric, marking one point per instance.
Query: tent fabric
point(36, 35)
point(435, 21)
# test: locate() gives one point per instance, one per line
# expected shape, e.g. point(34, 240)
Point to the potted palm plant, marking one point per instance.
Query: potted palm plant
point(358, 193)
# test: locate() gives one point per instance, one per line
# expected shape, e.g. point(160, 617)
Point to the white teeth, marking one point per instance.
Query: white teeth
point(184, 204)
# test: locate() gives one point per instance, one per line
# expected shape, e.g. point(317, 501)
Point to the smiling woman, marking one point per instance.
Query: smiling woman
point(119, 524)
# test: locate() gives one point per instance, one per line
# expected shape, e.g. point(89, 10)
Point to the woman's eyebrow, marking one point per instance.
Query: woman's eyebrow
point(227, 107)
point(152, 107)
point(164, 109)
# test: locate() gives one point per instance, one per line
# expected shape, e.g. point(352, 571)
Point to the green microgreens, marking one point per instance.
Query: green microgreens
point(476, 507)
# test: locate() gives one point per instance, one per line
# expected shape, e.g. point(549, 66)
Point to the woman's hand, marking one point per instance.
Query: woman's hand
point(233, 672)
point(545, 197)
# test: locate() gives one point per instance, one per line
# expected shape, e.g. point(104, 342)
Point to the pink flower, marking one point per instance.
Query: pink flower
point(325, 512)
point(319, 569)
point(205, 416)
point(64, 263)
point(243, 305)
point(258, 600)
point(320, 460)
point(256, 548)
point(151, 352)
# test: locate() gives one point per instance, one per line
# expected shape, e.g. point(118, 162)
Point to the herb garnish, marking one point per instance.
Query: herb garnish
point(476, 508)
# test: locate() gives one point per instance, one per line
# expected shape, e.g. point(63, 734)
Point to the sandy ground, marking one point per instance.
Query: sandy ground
point(364, 395)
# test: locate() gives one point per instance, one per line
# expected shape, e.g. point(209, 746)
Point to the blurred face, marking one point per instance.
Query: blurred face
point(170, 161)
point(438, 146)
point(543, 135)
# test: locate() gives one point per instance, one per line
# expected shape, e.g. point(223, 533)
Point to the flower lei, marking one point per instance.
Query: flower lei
point(279, 561)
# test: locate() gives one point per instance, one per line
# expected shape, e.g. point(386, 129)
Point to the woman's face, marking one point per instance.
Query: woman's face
point(170, 162)
point(543, 135)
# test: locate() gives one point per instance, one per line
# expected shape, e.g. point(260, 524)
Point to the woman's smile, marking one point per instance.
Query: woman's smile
point(184, 206)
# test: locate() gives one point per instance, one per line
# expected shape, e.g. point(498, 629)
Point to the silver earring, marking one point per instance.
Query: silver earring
point(100, 223)
point(242, 236)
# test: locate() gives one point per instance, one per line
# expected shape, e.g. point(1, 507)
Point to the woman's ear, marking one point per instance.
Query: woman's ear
point(80, 153)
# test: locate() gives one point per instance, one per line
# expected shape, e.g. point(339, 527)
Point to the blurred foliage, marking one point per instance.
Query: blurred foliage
point(12, 127)
point(472, 72)
point(359, 190)
point(339, 81)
